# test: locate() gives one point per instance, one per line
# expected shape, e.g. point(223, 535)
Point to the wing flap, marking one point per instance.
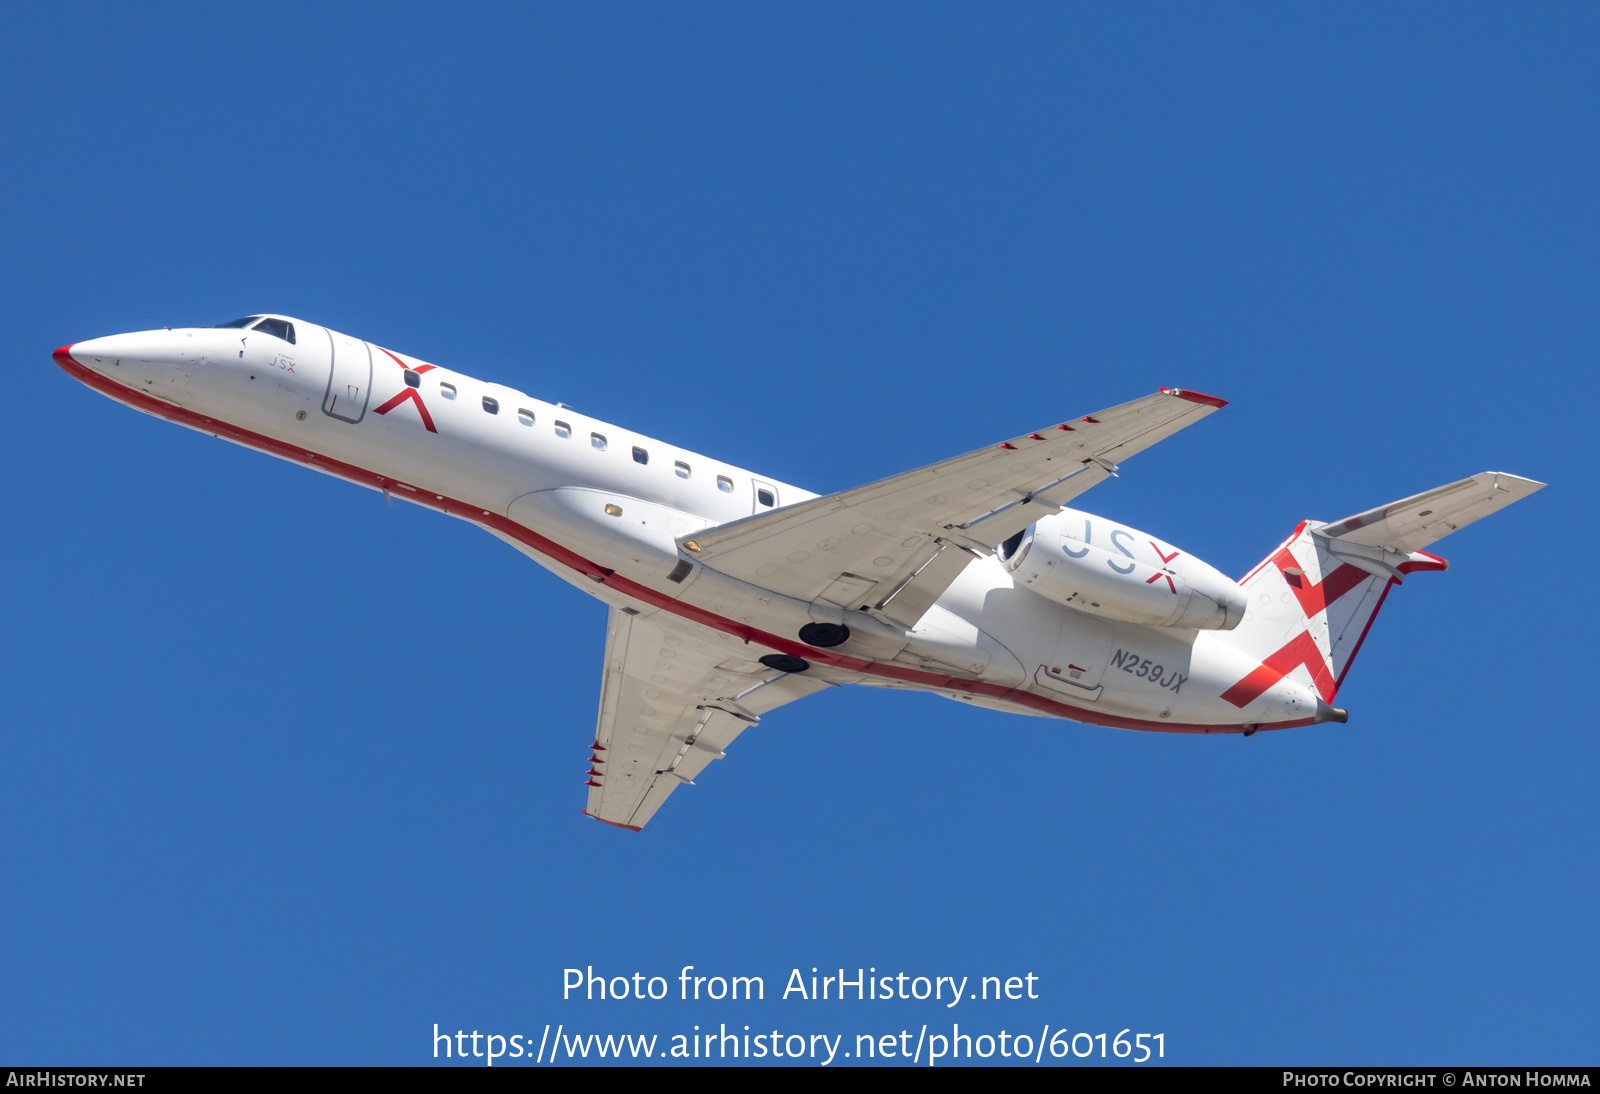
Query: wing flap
point(911, 600)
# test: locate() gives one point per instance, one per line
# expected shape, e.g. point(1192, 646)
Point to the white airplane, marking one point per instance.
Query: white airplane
point(732, 593)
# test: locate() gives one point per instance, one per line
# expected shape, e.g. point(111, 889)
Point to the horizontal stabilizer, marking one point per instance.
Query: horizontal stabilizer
point(1412, 523)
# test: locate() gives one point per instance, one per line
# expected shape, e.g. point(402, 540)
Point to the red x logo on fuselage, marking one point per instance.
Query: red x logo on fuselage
point(409, 392)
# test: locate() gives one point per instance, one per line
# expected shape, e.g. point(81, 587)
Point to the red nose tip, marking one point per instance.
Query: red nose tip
point(63, 355)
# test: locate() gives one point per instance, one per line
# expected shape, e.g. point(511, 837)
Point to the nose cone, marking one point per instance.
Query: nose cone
point(156, 363)
point(144, 346)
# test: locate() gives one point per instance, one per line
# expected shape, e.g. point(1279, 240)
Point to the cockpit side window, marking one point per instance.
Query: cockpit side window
point(237, 323)
point(278, 328)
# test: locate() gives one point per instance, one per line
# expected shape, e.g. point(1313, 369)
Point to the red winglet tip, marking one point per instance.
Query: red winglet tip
point(598, 747)
point(591, 782)
point(1008, 445)
point(1091, 421)
point(63, 356)
point(1195, 397)
point(1067, 428)
point(1035, 437)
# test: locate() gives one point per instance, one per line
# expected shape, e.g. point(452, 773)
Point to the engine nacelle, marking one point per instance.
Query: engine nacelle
point(1105, 569)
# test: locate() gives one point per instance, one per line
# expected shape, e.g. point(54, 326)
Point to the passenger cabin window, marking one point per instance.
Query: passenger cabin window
point(413, 379)
point(680, 469)
point(524, 416)
point(447, 390)
point(278, 328)
point(563, 430)
point(766, 497)
point(237, 323)
point(640, 455)
point(491, 405)
point(597, 441)
point(725, 484)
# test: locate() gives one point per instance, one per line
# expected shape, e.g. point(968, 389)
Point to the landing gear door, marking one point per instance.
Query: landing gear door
point(350, 380)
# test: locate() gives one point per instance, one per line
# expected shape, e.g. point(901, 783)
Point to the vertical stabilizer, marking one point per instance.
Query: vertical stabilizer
point(1308, 612)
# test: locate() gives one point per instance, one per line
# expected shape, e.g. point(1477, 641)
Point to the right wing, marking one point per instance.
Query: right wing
point(893, 546)
point(670, 702)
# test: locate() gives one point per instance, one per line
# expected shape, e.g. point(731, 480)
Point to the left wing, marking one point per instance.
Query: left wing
point(892, 547)
point(670, 702)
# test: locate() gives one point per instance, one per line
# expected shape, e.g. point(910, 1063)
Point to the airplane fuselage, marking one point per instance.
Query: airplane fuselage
point(607, 509)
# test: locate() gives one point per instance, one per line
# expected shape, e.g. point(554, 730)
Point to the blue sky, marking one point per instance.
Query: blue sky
point(828, 243)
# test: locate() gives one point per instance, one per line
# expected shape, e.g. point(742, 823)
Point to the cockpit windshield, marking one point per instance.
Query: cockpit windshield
point(278, 328)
